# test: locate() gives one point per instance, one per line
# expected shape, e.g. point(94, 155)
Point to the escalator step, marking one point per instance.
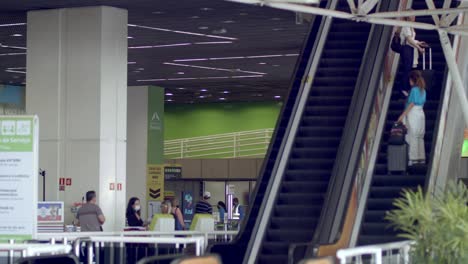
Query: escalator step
point(300, 198)
point(306, 186)
point(297, 211)
point(292, 223)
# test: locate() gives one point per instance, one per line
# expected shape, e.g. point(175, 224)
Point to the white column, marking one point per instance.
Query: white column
point(77, 84)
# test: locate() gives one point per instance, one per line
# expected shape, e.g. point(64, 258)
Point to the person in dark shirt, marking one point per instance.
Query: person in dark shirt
point(203, 206)
point(90, 216)
point(133, 214)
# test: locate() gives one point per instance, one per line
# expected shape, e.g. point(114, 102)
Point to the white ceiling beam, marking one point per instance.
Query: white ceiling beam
point(457, 31)
point(447, 3)
point(427, 12)
point(312, 10)
point(430, 4)
point(399, 23)
point(352, 6)
point(367, 6)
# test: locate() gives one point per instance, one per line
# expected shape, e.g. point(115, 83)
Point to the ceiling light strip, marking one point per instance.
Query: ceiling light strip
point(181, 32)
point(239, 57)
point(202, 78)
point(160, 46)
point(12, 54)
point(13, 71)
point(12, 47)
point(12, 25)
point(213, 42)
point(211, 68)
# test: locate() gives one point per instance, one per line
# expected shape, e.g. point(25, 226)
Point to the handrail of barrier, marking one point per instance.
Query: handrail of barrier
point(228, 145)
point(30, 250)
point(74, 235)
point(377, 252)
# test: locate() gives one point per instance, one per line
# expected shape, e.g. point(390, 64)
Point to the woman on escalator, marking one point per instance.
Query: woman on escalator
point(409, 53)
point(414, 119)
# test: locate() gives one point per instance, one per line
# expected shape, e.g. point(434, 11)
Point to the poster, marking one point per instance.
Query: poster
point(155, 183)
point(465, 145)
point(18, 177)
point(187, 206)
point(50, 212)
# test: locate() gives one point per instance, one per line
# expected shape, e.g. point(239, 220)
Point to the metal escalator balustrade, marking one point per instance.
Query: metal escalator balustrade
point(307, 175)
point(234, 252)
point(384, 187)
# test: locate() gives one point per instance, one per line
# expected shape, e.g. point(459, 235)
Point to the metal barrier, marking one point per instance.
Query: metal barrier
point(13, 251)
point(94, 246)
point(252, 143)
point(397, 252)
point(131, 245)
point(65, 238)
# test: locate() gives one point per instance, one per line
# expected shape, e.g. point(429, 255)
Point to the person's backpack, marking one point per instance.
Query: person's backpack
point(396, 43)
point(397, 134)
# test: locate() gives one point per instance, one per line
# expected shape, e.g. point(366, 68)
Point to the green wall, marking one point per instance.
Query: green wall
point(184, 121)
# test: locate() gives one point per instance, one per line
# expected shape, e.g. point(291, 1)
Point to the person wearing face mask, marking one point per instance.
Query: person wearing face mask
point(133, 214)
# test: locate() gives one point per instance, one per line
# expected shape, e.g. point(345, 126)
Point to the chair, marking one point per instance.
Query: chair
point(49, 259)
point(327, 260)
point(208, 259)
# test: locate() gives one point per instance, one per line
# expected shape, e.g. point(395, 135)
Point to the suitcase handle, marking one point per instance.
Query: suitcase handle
point(430, 59)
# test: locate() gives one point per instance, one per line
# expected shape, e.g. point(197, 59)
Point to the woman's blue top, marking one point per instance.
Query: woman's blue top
point(417, 97)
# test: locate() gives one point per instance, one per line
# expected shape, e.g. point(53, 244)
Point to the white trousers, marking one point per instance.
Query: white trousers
point(415, 121)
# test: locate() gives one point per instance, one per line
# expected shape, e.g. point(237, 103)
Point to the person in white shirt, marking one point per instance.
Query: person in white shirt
point(409, 53)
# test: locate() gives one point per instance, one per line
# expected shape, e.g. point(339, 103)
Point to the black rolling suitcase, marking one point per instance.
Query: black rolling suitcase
point(397, 158)
point(427, 72)
point(397, 150)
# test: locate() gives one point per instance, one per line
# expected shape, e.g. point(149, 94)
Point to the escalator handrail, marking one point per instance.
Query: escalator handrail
point(270, 197)
point(346, 164)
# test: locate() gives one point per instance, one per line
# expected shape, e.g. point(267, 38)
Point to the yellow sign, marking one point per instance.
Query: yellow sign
point(155, 182)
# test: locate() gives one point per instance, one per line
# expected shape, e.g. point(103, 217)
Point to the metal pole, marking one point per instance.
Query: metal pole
point(454, 73)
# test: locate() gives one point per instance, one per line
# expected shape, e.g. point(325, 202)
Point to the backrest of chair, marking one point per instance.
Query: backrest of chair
point(52, 259)
point(209, 259)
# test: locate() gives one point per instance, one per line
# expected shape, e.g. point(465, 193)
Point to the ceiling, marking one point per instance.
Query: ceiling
point(239, 52)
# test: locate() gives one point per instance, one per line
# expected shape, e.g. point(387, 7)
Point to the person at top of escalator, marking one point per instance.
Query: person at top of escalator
point(409, 53)
point(414, 119)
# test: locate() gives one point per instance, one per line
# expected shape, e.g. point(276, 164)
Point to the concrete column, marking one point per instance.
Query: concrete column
point(77, 84)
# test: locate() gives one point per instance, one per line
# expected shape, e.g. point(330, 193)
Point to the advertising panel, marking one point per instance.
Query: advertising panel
point(18, 177)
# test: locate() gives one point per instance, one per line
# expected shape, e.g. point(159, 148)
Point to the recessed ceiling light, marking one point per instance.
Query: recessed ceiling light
point(276, 65)
point(262, 63)
point(16, 35)
point(206, 9)
point(277, 97)
point(225, 92)
point(157, 12)
point(222, 99)
point(181, 88)
point(169, 94)
point(203, 28)
point(180, 73)
point(169, 100)
point(229, 21)
point(140, 69)
point(277, 29)
point(195, 17)
point(131, 62)
point(202, 96)
point(129, 37)
point(203, 90)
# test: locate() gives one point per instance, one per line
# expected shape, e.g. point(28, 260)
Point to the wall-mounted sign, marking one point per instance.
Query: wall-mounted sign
point(50, 212)
point(172, 172)
point(19, 176)
point(464, 153)
point(155, 183)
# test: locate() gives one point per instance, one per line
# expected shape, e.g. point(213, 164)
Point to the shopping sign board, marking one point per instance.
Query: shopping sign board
point(18, 177)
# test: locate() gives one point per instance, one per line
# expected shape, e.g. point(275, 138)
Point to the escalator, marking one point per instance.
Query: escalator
point(385, 188)
point(305, 183)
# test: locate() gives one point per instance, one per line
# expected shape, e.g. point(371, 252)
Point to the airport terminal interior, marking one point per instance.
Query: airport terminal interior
point(233, 131)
